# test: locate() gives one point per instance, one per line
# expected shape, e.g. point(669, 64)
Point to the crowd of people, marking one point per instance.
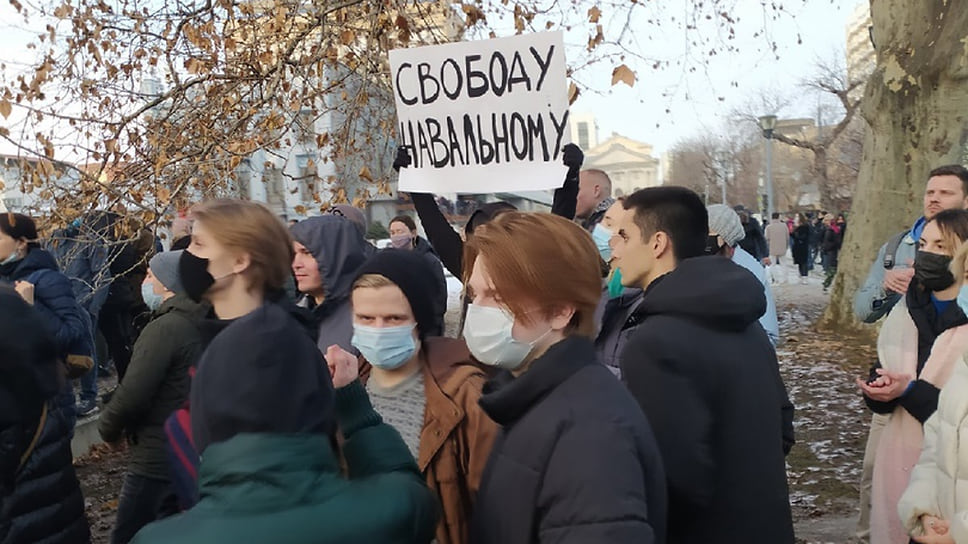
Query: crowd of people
point(615, 378)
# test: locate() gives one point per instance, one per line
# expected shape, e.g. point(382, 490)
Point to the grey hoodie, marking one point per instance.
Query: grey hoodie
point(339, 250)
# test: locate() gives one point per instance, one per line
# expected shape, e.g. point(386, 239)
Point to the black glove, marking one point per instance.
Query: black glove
point(573, 157)
point(403, 159)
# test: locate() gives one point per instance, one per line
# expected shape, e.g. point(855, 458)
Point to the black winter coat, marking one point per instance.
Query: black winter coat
point(754, 242)
point(801, 244)
point(65, 320)
point(41, 501)
point(575, 462)
point(706, 376)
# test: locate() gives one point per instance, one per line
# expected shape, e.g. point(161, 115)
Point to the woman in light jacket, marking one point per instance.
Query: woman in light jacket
point(934, 508)
point(919, 346)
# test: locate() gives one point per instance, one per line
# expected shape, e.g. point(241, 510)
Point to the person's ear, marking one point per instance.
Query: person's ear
point(242, 263)
point(561, 317)
point(661, 243)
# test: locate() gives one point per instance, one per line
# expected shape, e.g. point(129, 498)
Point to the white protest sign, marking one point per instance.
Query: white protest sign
point(483, 116)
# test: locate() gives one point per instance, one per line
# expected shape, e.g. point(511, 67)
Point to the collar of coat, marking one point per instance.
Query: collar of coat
point(506, 399)
point(288, 469)
point(448, 368)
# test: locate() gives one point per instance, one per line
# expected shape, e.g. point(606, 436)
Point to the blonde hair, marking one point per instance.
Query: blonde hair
point(251, 228)
point(372, 281)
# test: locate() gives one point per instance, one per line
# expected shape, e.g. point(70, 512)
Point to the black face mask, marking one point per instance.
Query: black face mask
point(712, 245)
point(932, 271)
point(194, 275)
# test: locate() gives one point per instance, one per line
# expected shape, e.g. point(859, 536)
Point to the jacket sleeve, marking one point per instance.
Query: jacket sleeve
point(872, 302)
point(921, 495)
point(600, 463)
point(769, 320)
point(158, 345)
point(566, 198)
point(447, 243)
point(55, 291)
point(761, 243)
point(879, 407)
point(370, 446)
point(921, 401)
point(787, 413)
point(684, 434)
point(478, 437)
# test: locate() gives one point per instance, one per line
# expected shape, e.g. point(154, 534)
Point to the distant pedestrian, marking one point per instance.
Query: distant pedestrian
point(778, 239)
point(754, 242)
point(801, 247)
point(832, 240)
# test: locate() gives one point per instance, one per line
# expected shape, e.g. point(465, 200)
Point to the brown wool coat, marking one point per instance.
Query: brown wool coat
point(457, 436)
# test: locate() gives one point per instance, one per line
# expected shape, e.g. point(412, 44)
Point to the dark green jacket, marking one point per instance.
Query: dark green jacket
point(261, 488)
point(155, 385)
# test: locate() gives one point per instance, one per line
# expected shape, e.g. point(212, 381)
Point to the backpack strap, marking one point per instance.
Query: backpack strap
point(890, 252)
point(33, 442)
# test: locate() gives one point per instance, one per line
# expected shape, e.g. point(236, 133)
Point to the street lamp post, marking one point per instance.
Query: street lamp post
point(724, 166)
point(768, 124)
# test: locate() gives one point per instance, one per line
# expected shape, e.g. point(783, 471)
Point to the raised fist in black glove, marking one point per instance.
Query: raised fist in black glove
point(573, 157)
point(403, 159)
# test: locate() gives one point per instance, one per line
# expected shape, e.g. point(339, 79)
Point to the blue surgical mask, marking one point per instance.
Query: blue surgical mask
point(152, 300)
point(386, 348)
point(601, 236)
point(963, 298)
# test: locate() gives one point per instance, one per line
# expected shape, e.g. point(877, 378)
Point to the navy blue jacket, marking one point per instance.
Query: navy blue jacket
point(65, 320)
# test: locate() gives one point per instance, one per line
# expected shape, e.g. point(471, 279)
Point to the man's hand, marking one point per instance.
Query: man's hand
point(573, 157)
point(403, 159)
point(344, 367)
point(936, 531)
point(889, 386)
point(898, 280)
point(26, 291)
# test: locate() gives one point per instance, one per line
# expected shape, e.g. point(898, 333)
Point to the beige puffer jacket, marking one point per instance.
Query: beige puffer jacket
point(939, 482)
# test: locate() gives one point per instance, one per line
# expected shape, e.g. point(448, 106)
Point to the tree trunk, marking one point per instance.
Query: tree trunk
point(916, 104)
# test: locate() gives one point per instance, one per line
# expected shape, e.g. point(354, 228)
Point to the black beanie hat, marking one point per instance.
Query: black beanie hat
point(262, 374)
point(410, 272)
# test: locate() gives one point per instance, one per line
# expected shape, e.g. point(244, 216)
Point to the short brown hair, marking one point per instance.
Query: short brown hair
point(406, 220)
point(956, 170)
point(251, 228)
point(541, 259)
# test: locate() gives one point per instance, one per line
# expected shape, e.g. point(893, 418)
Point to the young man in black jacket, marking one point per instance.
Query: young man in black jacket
point(704, 372)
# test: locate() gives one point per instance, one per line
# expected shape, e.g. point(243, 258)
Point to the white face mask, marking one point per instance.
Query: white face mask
point(487, 332)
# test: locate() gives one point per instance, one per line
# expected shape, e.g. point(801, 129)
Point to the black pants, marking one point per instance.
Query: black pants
point(804, 269)
point(116, 325)
point(142, 501)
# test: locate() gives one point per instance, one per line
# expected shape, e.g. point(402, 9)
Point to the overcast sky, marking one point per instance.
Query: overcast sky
point(674, 102)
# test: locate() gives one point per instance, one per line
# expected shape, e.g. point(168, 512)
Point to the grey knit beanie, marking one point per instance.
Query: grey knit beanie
point(164, 266)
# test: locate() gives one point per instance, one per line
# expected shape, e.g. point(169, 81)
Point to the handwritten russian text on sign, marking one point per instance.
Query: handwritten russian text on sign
point(484, 116)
